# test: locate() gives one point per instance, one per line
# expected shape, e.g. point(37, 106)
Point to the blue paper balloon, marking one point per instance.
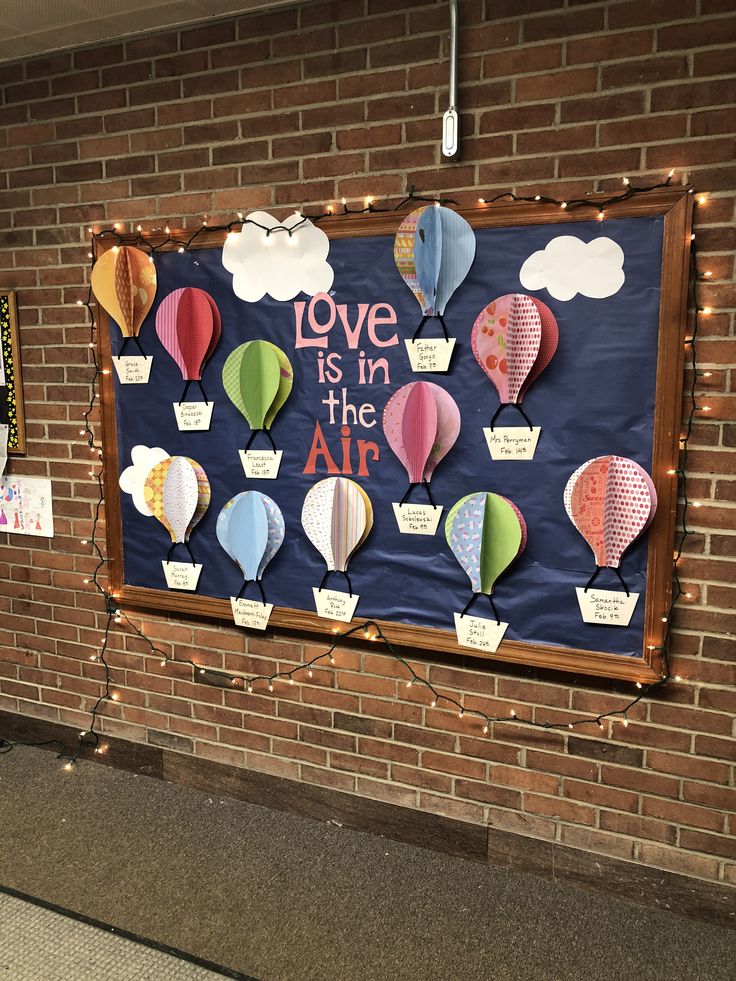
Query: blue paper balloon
point(250, 528)
point(434, 250)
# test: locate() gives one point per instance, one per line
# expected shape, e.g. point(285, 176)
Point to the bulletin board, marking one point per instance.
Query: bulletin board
point(613, 387)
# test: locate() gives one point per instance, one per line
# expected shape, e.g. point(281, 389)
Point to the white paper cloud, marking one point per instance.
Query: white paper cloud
point(568, 266)
point(280, 264)
point(133, 477)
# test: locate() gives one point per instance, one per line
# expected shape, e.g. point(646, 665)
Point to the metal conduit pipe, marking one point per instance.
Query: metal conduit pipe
point(450, 135)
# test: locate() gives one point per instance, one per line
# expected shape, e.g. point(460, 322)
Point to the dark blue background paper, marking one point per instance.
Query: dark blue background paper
point(595, 398)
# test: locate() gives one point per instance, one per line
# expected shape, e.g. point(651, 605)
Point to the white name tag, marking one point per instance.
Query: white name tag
point(133, 370)
point(181, 575)
point(193, 415)
point(263, 464)
point(430, 354)
point(417, 519)
point(477, 632)
point(251, 613)
point(333, 605)
point(606, 606)
point(512, 442)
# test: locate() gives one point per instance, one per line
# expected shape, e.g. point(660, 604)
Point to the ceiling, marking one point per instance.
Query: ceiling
point(33, 27)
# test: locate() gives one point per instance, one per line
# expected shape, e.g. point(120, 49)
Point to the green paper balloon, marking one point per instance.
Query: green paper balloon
point(257, 378)
point(486, 532)
point(501, 540)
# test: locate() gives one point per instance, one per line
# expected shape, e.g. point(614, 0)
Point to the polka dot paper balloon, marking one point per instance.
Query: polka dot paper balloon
point(514, 339)
point(611, 500)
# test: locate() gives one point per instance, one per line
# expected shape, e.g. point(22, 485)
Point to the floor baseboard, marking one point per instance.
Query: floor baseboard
point(639, 884)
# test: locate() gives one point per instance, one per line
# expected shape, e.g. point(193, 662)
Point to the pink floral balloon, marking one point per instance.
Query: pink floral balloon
point(514, 339)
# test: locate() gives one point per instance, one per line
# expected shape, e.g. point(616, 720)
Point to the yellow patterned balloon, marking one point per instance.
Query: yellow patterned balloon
point(124, 282)
point(177, 492)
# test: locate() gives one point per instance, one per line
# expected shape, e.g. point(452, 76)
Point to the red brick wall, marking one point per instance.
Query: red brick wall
point(309, 104)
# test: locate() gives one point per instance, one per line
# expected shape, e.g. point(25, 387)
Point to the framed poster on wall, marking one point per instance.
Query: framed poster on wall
point(614, 292)
point(12, 412)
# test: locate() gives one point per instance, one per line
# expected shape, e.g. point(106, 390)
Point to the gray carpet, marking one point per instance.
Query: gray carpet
point(282, 898)
point(38, 944)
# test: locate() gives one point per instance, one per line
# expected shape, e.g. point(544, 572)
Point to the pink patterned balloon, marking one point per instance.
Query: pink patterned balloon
point(421, 423)
point(547, 346)
point(514, 339)
point(611, 500)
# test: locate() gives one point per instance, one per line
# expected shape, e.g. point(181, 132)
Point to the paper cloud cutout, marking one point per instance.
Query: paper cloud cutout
point(282, 263)
point(568, 266)
point(132, 479)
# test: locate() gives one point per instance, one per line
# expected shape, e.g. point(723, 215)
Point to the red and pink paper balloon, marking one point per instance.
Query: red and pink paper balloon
point(514, 338)
point(421, 423)
point(188, 325)
point(611, 500)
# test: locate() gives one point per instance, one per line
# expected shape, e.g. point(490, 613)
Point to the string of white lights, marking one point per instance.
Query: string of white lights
point(303, 672)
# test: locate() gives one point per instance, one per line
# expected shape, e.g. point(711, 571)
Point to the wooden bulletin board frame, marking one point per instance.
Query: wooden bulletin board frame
point(675, 207)
point(12, 391)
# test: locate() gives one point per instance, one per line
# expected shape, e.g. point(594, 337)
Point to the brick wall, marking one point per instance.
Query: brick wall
point(308, 104)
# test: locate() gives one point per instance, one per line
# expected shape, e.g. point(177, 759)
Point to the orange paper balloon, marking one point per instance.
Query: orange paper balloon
point(124, 282)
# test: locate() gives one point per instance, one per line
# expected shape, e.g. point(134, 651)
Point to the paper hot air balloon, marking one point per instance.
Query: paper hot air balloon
point(434, 250)
point(188, 325)
point(611, 500)
point(486, 533)
point(421, 422)
point(337, 516)
point(257, 377)
point(514, 338)
point(250, 528)
point(124, 282)
point(177, 492)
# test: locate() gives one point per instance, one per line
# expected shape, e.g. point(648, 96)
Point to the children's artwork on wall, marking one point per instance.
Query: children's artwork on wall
point(316, 383)
point(26, 506)
point(12, 414)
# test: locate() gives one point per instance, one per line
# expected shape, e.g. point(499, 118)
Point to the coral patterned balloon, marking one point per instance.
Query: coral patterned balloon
point(611, 500)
